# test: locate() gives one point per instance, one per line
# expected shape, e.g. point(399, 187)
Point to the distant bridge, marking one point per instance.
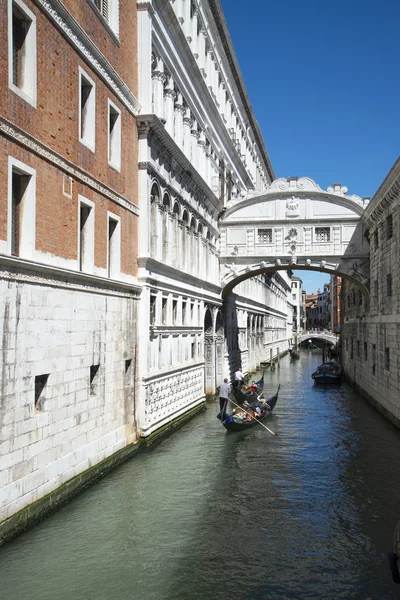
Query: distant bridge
point(326, 336)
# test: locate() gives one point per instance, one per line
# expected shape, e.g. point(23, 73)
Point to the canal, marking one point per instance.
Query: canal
point(208, 515)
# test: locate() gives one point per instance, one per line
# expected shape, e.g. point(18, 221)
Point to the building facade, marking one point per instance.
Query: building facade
point(297, 301)
point(68, 241)
point(200, 147)
point(371, 325)
point(336, 287)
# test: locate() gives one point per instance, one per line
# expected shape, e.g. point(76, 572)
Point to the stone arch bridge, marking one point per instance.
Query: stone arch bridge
point(325, 336)
point(295, 224)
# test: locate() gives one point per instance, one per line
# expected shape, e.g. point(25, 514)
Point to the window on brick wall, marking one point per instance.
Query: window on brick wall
point(114, 136)
point(87, 110)
point(86, 235)
point(322, 234)
point(21, 209)
point(109, 11)
point(389, 227)
point(22, 51)
point(40, 385)
point(264, 236)
point(389, 284)
point(113, 246)
point(128, 372)
point(386, 359)
point(94, 379)
point(376, 239)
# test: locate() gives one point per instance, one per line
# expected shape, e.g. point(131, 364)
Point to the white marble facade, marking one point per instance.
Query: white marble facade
point(200, 148)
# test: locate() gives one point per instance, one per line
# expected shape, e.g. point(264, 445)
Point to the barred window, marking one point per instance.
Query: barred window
point(109, 10)
point(387, 359)
point(322, 234)
point(264, 236)
point(389, 284)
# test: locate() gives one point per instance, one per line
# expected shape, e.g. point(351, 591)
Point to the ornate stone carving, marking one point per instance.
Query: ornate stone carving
point(292, 207)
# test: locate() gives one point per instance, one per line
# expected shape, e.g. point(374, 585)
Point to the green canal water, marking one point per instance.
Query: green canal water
point(210, 515)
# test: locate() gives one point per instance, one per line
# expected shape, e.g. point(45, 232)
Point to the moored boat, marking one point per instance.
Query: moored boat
point(328, 372)
point(230, 424)
point(294, 355)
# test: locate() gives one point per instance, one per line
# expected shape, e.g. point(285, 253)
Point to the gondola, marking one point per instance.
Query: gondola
point(294, 355)
point(231, 425)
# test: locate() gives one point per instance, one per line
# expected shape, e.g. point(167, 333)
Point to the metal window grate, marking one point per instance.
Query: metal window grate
point(264, 236)
point(322, 234)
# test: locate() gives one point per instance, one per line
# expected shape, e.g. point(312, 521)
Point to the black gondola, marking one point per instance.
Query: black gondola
point(294, 355)
point(231, 425)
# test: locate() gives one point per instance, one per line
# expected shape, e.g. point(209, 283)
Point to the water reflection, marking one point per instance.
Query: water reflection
point(215, 515)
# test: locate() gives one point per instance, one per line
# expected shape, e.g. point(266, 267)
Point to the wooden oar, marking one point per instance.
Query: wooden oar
point(251, 416)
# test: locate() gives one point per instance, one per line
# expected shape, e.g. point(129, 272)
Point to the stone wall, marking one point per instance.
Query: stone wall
point(83, 340)
point(371, 325)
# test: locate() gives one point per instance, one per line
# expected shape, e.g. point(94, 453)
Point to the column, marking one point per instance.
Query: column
point(169, 99)
point(187, 126)
point(179, 109)
point(194, 135)
point(201, 142)
point(158, 78)
point(194, 42)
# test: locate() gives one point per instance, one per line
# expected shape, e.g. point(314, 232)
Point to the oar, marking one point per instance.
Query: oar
point(254, 419)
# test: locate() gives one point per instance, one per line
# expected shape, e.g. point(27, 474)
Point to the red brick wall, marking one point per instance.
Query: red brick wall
point(55, 123)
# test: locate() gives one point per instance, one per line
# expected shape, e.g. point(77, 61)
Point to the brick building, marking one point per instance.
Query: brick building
point(68, 240)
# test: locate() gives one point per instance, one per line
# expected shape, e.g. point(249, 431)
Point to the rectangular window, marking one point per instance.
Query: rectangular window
point(109, 10)
point(376, 289)
point(322, 234)
point(193, 350)
point(40, 385)
point(113, 246)
point(86, 235)
point(152, 309)
point(389, 227)
point(365, 351)
point(389, 284)
point(387, 359)
point(174, 311)
point(373, 359)
point(21, 209)
point(358, 348)
point(114, 136)
point(164, 310)
point(128, 372)
point(87, 110)
point(184, 310)
point(264, 236)
point(22, 51)
point(376, 239)
point(94, 379)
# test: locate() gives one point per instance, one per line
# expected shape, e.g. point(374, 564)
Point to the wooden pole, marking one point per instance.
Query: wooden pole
point(251, 416)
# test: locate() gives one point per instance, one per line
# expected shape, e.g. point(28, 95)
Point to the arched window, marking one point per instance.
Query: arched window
point(154, 200)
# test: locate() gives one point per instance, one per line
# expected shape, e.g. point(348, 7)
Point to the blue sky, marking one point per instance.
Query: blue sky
point(323, 81)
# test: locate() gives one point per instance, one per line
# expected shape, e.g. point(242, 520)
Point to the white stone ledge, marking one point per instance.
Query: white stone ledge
point(27, 271)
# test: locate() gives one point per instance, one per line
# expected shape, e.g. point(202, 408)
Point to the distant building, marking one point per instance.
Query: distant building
point(297, 302)
point(312, 316)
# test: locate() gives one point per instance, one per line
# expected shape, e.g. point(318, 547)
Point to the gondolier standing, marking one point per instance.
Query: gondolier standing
point(238, 379)
point(224, 389)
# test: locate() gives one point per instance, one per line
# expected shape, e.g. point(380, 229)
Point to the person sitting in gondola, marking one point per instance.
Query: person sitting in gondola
point(250, 413)
point(254, 387)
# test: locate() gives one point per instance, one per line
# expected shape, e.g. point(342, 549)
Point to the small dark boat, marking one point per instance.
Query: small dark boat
point(231, 425)
point(328, 372)
point(294, 355)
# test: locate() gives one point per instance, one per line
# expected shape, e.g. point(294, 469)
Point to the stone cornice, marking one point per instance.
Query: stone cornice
point(26, 271)
point(31, 144)
point(384, 199)
point(83, 45)
point(159, 268)
point(151, 123)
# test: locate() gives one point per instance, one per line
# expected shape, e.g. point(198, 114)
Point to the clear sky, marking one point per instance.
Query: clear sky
point(323, 80)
